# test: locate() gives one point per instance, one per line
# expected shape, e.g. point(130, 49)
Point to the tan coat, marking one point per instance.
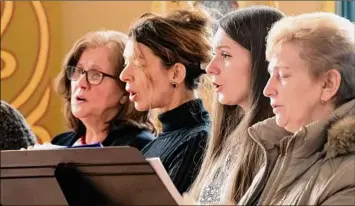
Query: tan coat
point(314, 166)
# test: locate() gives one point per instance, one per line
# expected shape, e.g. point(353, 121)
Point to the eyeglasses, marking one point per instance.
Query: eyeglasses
point(93, 76)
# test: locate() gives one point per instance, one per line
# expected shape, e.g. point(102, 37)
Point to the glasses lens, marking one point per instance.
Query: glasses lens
point(94, 77)
point(74, 73)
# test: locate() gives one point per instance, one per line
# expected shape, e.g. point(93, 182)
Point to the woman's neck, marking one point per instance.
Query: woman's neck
point(321, 112)
point(95, 132)
point(179, 98)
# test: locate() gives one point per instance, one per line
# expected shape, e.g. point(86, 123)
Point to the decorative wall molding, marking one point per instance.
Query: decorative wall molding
point(10, 66)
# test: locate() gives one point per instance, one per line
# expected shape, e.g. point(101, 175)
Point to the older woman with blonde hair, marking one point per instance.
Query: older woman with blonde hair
point(96, 103)
point(309, 146)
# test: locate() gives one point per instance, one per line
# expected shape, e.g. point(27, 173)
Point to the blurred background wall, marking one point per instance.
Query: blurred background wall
point(35, 36)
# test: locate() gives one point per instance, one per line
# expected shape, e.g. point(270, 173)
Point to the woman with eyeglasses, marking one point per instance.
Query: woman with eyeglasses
point(96, 104)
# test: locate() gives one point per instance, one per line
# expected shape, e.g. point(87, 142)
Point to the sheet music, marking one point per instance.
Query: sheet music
point(49, 146)
point(46, 146)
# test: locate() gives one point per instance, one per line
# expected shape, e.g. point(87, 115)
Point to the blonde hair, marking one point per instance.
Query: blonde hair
point(326, 41)
point(116, 42)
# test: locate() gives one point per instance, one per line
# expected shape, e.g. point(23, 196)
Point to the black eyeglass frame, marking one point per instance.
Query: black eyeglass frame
point(71, 69)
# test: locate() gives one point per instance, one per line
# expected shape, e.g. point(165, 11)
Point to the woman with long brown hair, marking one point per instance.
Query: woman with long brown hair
point(163, 57)
point(239, 74)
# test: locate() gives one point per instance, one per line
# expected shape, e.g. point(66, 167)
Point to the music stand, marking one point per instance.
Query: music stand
point(82, 176)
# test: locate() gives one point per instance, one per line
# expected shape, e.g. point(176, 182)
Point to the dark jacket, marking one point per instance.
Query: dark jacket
point(125, 135)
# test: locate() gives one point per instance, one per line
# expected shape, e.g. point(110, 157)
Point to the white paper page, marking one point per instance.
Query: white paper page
point(47, 146)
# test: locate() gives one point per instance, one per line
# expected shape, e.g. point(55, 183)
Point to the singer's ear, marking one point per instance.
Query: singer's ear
point(177, 73)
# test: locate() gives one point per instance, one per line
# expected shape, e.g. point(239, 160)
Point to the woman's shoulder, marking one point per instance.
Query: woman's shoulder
point(199, 131)
point(191, 137)
point(187, 134)
point(337, 179)
point(145, 135)
point(65, 138)
point(131, 135)
point(129, 129)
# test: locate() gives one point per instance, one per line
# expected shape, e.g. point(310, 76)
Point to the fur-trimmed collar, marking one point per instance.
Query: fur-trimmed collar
point(341, 131)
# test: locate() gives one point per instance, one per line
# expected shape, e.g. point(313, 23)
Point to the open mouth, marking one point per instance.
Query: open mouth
point(274, 106)
point(80, 99)
point(216, 86)
point(132, 96)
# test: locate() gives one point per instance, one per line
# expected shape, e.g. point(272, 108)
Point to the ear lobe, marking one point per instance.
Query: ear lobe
point(124, 99)
point(331, 84)
point(179, 73)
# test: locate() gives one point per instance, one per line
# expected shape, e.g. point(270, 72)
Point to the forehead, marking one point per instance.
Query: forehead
point(96, 52)
point(139, 51)
point(95, 56)
point(129, 49)
point(221, 39)
point(287, 55)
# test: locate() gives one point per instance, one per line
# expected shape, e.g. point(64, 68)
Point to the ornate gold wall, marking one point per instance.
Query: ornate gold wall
point(29, 48)
point(35, 35)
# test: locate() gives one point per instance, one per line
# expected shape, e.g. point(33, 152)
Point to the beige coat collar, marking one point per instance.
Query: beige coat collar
point(334, 135)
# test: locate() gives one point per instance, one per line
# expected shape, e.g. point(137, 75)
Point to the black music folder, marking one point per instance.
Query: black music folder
point(85, 176)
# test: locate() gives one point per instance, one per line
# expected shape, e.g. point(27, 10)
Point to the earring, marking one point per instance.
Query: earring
point(174, 84)
point(322, 101)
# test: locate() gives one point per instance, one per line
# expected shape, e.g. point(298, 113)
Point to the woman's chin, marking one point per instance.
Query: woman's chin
point(79, 114)
point(141, 107)
point(225, 101)
point(290, 126)
point(222, 99)
point(280, 121)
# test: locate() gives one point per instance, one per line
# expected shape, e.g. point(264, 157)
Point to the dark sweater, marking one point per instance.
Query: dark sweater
point(181, 144)
point(127, 135)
